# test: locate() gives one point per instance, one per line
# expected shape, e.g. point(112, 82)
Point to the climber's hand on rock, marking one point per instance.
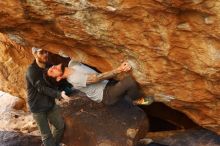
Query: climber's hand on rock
point(125, 67)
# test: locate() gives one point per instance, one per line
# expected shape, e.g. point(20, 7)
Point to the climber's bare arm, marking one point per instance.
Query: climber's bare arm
point(94, 78)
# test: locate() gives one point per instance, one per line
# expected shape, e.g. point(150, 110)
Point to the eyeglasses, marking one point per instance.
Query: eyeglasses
point(43, 52)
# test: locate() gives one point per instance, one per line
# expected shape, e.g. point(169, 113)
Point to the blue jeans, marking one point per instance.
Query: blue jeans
point(55, 119)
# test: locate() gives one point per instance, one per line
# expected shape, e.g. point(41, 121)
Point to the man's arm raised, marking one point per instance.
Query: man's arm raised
point(94, 78)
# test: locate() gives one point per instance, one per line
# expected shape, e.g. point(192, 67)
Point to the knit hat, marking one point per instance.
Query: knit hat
point(34, 50)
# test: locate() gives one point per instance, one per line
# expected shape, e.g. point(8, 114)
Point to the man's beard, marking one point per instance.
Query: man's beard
point(43, 61)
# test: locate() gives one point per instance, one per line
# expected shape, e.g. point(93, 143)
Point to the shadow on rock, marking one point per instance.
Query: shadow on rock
point(195, 137)
point(9, 138)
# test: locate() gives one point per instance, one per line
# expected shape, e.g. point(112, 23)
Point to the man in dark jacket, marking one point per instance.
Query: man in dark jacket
point(41, 100)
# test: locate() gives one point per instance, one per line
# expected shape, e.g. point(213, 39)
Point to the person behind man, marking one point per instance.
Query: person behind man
point(96, 85)
point(41, 100)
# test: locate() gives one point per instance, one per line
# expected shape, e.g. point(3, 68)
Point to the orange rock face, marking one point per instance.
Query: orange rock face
point(173, 45)
point(13, 62)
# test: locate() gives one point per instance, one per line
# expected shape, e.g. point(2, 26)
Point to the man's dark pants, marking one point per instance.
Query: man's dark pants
point(113, 92)
point(55, 119)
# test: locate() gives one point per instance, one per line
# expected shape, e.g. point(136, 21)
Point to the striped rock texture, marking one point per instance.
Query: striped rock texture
point(172, 45)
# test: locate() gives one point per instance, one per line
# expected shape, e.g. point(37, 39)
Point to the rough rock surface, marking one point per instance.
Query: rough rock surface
point(172, 45)
point(195, 137)
point(13, 63)
point(9, 138)
point(13, 117)
point(93, 124)
point(87, 124)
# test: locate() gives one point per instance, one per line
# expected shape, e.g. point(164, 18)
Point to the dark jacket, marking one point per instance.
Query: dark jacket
point(41, 96)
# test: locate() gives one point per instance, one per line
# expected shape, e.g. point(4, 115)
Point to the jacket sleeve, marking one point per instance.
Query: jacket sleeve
point(37, 81)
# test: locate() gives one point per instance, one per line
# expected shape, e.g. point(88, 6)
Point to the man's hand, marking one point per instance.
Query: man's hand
point(65, 97)
point(124, 67)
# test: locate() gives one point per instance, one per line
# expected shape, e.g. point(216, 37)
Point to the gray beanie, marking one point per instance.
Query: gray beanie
point(34, 50)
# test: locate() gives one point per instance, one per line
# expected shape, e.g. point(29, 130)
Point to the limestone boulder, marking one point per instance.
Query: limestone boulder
point(14, 60)
point(87, 124)
point(14, 116)
point(93, 124)
point(173, 46)
point(9, 138)
point(195, 137)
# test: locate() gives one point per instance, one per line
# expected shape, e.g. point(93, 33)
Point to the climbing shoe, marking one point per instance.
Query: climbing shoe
point(144, 101)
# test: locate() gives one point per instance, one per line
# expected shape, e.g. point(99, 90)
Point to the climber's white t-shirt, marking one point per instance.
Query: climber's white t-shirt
point(79, 77)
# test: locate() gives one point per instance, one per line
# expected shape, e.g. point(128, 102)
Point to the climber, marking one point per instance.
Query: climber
point(97, 86)
point(41, 100)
